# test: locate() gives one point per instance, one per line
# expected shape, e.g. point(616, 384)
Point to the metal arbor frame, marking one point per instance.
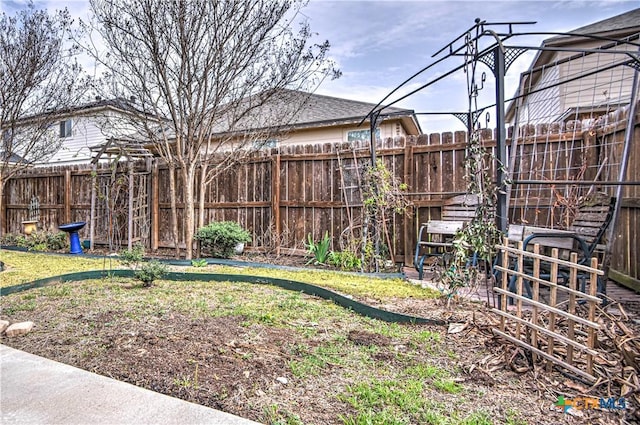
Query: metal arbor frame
point(486, 42)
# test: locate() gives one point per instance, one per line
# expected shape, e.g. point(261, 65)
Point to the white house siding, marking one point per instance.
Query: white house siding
point(612, 87)
point(542, 106)
point(339, 134)
point(75, 149)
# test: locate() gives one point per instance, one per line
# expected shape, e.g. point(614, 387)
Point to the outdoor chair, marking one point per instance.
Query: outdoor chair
point(585, 236)
point(435, 236)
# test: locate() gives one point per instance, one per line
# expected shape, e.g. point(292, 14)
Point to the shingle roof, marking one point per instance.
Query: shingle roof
point(12, 158)
point(627, 23)
point(124, 105)
point(319, 108)
point(625, 20)
point(295, 109)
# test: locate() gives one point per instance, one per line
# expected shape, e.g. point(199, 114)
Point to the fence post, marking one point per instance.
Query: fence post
point(155, 205)
point(92, 217)
point(406, 221)
point(130, 206)
point(67, 195)
point(3, 212)
point(275, 201)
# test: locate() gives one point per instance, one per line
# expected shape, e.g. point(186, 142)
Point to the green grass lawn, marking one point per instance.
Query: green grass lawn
point(346, 283)
point(23, 267)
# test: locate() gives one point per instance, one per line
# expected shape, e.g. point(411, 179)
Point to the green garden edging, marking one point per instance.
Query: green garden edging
point(291, 285)
point(220, 262)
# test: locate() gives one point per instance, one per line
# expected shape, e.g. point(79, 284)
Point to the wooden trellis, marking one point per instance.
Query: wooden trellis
point(110, 186)
point(552, 324)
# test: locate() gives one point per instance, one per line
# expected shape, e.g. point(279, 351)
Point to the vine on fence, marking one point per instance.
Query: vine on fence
point(474, 243)
point(383, 195)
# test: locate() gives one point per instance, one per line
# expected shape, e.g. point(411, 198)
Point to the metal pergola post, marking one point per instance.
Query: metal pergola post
point(501, 139)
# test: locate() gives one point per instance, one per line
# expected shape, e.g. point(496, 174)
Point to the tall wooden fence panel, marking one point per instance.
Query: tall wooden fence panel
point(284, 195)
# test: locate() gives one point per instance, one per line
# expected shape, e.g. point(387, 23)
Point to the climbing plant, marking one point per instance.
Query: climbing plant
point(383, 195)
point(475, 243)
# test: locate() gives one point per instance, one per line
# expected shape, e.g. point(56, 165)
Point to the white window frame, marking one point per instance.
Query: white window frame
point(362, 135)
point(65, 129)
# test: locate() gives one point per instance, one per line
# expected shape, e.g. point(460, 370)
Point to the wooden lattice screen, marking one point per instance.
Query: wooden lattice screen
point(558, 322)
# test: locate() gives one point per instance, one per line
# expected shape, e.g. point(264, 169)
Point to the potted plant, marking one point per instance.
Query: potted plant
point(29, 226)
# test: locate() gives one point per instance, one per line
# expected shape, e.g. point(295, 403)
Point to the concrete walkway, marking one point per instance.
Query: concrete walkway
point(34, 390)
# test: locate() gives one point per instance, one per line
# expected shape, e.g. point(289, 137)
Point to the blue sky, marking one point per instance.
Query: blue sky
point(378, 44)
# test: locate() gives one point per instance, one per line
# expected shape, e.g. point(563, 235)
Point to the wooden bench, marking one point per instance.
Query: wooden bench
point(435, 236)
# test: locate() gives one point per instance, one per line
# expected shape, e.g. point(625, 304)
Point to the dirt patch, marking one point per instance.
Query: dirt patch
point(279, 357)
point(368, 338)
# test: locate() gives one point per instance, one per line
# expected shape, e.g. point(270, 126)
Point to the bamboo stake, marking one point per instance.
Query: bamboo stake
point(591, 339)
point(536, 297)
point(573, 280)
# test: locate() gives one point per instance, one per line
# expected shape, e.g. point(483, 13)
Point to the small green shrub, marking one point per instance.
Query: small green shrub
point(10, 239)
point(319, 250)
point(38, 241)
point(150, 271)
point(345, 260)
point(199, 262)
point(144, 271)
point(132, 257)
point(56, 241)
point(39, 247)
point(220, 238)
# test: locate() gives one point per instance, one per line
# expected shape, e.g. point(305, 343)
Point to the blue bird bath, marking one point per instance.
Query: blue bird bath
point(74, 240)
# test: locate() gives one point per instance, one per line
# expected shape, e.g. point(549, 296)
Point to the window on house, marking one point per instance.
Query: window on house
point(265, 144)
point(361, 135)
point(65, 128)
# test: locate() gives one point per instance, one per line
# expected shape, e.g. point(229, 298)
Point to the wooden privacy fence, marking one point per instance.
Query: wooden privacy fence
point(284, 194)
point(552, 324)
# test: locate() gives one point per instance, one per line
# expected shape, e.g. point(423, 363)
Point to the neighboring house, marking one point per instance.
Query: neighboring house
point(570, 85)
point(300, 118)
point(326, 119)
point(66, 137)
point(87, 130)
point(81, 128)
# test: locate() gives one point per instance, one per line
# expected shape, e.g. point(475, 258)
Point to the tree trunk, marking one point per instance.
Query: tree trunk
point(174, 208)
point(188, 175)
point(203, 186)
point(2, 212)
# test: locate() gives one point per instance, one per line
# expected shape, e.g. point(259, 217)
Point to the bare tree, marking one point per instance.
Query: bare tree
point(38, 77)
point(216, 71)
